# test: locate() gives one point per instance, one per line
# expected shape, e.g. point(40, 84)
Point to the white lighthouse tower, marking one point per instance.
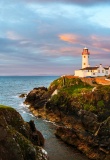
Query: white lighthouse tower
point(85, 58)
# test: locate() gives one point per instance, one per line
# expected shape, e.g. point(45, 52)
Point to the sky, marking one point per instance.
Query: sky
point(46, 37)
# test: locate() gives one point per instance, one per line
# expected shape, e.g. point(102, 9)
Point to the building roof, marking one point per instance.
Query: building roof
point(106, 68)
point(89, 68)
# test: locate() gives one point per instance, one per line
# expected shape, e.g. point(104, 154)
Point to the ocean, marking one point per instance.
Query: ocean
point(10, 89)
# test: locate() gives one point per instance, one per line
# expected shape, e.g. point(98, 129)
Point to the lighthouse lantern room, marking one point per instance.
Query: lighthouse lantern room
point(85, 58)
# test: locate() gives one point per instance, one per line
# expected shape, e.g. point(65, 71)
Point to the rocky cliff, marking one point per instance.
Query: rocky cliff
point(18, 139)
point(81, 110)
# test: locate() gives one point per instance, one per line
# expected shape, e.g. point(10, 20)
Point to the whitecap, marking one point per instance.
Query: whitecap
point(15, 96)
point(23, 111)
point(47, 121)
point(31, 114)
point(23, 105)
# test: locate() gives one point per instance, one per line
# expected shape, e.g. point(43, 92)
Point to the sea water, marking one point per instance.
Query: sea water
point(11, 87)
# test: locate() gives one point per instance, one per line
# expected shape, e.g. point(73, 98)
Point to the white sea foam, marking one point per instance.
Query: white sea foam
point(43, 151)
point(50, 122)
point(31, 114)
point(23, 111)
point(47, 121)
point(23, 105)
point(15, 96)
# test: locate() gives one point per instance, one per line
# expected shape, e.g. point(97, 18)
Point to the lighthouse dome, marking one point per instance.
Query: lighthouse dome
point(85, 48)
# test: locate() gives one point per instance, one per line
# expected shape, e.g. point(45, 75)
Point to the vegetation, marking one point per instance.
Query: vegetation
point(72, 86)
point(5, 107)
point(75, 94)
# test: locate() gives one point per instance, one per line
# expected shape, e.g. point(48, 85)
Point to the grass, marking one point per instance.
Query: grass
point(5, 107)
point(77, 89)
point(72, 86)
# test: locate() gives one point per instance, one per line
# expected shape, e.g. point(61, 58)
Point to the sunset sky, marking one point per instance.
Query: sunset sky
point(46, 37)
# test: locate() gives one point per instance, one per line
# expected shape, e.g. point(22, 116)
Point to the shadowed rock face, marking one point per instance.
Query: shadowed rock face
point(37, 97)
point(17, 138)
point(93, 139)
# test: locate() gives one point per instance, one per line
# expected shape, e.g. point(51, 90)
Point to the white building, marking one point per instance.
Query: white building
point(88, 71)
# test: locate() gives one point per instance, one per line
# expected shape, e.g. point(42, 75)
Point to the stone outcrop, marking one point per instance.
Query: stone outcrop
point(23, 95)
point(37, 97)
point(18, 139)
point(83, 119)
point(93, 139)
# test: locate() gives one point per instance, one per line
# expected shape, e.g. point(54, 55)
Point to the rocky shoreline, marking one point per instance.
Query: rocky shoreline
point(78, 127)
point(19, 140)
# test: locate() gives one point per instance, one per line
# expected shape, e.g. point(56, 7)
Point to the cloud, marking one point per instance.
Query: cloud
point(78, 2)
point(48, 36)
point(75, 39)
point(101, 42)
point(71, 38)
point(13, 36)
point(98, 42)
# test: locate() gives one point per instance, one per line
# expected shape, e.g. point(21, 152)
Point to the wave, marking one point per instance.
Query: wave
point(47, 121)
point(17, 96)
point(23, 111)
point(23, 105)
point(31, 114)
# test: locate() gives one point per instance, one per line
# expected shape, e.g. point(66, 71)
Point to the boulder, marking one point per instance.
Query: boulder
point(22, 95)
point(37, 97)
point(16, 137)
point(89, 120)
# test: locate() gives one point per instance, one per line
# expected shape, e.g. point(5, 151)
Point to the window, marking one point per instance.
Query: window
point(102, 71)
point(98, 71)
point(84, 63)
point(84, 56)
point(93, 73)
point(88, 70)
point(106, 72)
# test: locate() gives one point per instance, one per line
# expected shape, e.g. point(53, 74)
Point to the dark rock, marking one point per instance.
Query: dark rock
point(16, 137)
point(37, 137)
point(37, 97)
point(89, 120)
point(83, 141)
point(23, 95)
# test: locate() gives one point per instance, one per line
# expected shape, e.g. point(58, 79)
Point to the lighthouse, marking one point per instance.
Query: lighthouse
point(85, 58)
point(87, 71)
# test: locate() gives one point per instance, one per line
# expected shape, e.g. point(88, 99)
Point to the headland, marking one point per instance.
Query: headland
point(81, 108)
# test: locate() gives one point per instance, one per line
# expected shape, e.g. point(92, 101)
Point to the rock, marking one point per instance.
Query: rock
point(16, 137)
point(89, 120)
point(37, 97)
point(37, 137)
point(22, 95)
point(83, 141)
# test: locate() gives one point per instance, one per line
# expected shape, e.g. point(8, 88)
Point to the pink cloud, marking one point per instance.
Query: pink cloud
point(71, 38)
point(13, 35)
point(101, 42)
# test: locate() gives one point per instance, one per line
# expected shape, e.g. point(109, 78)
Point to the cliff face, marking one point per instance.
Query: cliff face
point(18, 139)
point(81, 110)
